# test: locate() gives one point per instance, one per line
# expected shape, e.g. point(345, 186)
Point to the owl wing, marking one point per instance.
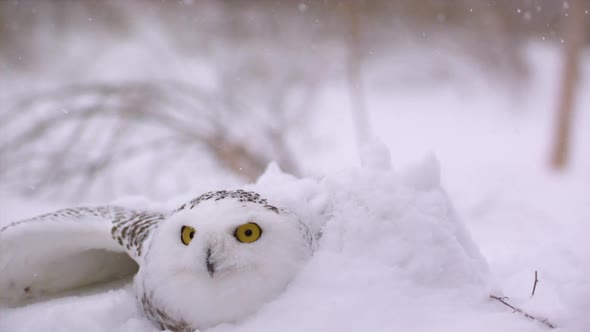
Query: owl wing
point(71, 248)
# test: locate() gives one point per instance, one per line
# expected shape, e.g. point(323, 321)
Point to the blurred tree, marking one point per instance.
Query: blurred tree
point(354, 62)
point(574, 31)
point(243, 74)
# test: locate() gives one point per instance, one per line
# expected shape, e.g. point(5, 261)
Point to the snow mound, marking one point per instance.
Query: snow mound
point(403, 220)
point(378, 217)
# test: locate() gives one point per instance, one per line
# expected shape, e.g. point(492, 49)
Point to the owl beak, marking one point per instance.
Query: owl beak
point(210, 265)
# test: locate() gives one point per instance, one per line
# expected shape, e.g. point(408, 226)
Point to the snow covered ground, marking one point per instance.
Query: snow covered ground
point(399, 253)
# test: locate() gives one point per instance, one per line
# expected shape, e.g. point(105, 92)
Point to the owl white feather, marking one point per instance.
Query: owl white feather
point(215, 259)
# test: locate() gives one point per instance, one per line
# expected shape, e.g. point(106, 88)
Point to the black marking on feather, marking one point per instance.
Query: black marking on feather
point(239, 195)
point(130, 230)
point(162, 319)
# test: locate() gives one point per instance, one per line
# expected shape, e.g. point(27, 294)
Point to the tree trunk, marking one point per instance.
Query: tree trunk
point(353, 66)
point(574, 32)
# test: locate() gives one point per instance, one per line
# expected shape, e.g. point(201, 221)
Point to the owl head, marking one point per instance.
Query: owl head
point(220, 257)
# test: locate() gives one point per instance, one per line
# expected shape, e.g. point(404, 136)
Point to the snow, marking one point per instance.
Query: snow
point(418, 247)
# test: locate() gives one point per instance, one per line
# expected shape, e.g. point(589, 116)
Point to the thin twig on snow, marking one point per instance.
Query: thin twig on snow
point(522, 312)
point(535, 284)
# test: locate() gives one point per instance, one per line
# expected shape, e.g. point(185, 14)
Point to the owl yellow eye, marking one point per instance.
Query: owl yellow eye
point(186, 234)
point(248, 233)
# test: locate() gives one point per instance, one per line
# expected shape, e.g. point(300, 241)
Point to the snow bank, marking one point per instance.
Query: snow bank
point(404, 221)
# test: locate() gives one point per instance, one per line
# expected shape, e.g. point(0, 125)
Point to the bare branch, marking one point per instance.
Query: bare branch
point(188, 116)
point(522, 312)
point(535, 284)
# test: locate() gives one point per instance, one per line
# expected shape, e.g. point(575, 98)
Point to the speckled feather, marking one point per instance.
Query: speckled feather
point(240, 195)
point(130, 228)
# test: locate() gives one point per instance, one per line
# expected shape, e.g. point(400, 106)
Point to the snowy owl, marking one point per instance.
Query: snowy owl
point(215, 259)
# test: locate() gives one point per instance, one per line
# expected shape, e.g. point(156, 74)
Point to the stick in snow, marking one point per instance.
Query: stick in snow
point(520, 311)
point(535, 284)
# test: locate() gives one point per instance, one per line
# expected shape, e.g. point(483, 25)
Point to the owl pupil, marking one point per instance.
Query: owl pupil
point(248, 232)
point(191, 235)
